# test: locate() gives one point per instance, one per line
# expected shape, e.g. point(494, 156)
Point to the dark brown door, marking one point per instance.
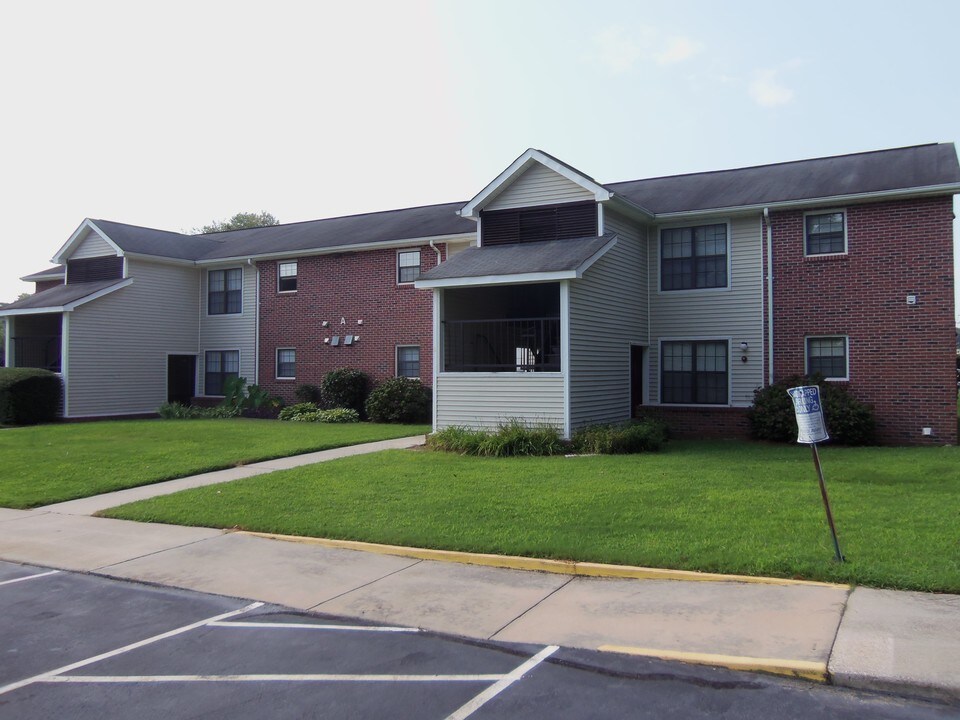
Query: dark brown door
point(181, 378)
point(636, 378)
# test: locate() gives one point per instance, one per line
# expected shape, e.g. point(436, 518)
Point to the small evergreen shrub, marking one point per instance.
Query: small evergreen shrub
point(345, 388)
point(176, 411)
point(512, 438)
point(400, 400)
point(308, 394)
point(309, 412)
point(849, 421)
point(29, 396)
point(645, 435)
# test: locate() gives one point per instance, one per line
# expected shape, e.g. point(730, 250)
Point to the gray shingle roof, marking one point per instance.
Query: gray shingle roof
point(162, 243)
point(47, 274)
point(899, 169)
point(59, 296)
point(519, 259)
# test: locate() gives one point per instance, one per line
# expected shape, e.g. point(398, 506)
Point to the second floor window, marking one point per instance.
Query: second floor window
point(225, 292)
point(287, 277)
point(692, 258)
point(408, 266)
point(825, 234)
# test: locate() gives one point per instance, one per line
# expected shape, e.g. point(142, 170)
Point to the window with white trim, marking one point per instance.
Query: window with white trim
point(825, 233)
point(408, 361)
point(694, 372)
point(408, 266)
point(286, 363)
point(218, 366)
point(828, 356)
point(693, 258)
point(225, 292)
point(287, 276)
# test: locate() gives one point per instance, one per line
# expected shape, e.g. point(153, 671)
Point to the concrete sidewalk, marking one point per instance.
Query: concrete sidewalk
point(908, 643)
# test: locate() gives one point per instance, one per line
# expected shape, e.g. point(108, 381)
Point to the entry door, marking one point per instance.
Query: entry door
point(181, 378)
point(636, 378)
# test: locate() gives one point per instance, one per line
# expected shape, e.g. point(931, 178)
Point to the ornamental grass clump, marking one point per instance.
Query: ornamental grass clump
point(511, 439)
point(646, 435)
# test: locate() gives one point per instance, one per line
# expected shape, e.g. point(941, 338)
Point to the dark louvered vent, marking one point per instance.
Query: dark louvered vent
point(94, 269)
point(536, 224)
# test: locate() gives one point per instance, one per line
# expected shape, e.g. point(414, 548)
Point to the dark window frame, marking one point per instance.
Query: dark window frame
point(286, 364)
point(830, 241)
point(408, 364)
point(214, 380)
point(224, 300)
point(824, 364)
point(287, 283)
point(408, 274)
point(698, 270)
point(696, 386)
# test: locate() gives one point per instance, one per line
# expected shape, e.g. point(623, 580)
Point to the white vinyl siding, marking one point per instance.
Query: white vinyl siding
point(732, 313)
point(92, 246)
point(483, 400)
point(237, 331)
point(608, 313)
point(539, 185)
point(118, 344)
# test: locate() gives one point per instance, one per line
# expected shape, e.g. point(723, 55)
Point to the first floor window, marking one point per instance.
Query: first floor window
point(225, 291)
point(694, 372)
point(286, 363)
point(220, 365)
point(287, 277)
point(408, 266)
point(408, 361)
point(828, 356)
point(824, 234)
point(692, 258)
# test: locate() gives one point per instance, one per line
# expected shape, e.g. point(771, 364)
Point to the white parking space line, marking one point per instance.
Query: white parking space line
point(502, 684)
point(307, 626)
point(29, 577)
point(267, 678)
point(43, 677)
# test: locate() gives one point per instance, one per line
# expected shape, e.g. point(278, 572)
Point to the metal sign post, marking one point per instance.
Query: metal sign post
point(812, 429)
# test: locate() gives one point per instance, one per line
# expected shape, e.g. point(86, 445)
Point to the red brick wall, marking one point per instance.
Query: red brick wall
point(350, 286)
point(47, 284)
point(901, 356)
point(702, 423)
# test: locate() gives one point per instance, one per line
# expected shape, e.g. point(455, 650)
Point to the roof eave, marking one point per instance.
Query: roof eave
point(901, 193)
point(352, 247)
point(68, 306)
point(518, 279)
point(60, 257)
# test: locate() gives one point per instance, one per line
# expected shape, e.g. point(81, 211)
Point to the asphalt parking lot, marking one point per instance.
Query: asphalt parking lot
point(84, 646)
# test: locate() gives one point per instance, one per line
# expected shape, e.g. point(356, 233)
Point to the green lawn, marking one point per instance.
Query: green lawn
point(51, 463)
point(728, 507)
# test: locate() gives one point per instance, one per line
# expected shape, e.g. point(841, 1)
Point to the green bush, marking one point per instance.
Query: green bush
point(849, 421)
point(176, 411)
point(29, 396)
point(512, 438)
point(638, 436)
point(400, 400)
point(345, 388)
point(309, 412)
point(308, 394)
point(249, 401)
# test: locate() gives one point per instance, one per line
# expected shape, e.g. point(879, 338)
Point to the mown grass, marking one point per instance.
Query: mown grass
point(51, 463)
point(729, 507)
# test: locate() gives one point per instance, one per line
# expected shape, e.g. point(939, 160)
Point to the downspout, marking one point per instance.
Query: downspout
point(256, 327)
point(766, 218)
point(437, 251)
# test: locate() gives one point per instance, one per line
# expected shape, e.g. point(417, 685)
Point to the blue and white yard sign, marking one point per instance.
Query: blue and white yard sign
point(809, 412)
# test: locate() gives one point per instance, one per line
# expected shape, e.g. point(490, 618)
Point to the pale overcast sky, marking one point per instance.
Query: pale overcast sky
point(174, 114)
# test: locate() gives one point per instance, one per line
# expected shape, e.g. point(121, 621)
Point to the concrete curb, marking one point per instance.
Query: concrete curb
point(806, 669)
point(562, 567)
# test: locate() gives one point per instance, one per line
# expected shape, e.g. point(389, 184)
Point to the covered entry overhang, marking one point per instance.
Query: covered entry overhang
point(501, 331)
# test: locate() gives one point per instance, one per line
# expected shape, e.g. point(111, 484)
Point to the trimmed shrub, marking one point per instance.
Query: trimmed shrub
point(345, 388)
point(29, 396)
point(512, 438)
point(400, 400)
point(309, 412)
point(645, 435)
point(849, 421)
point(308, 394)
